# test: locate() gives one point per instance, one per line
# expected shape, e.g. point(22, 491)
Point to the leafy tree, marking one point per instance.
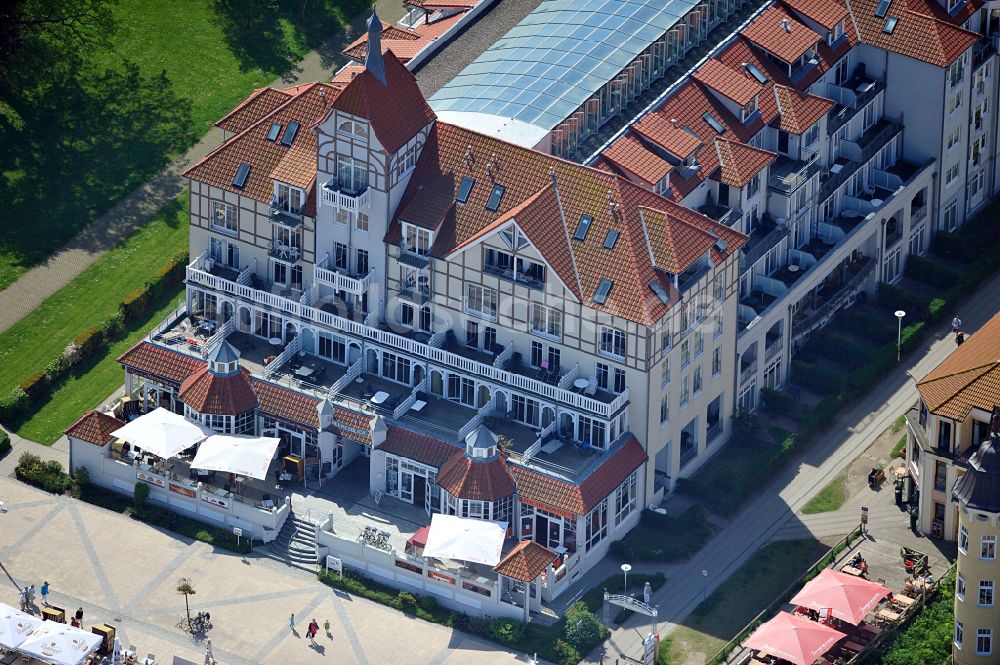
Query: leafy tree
point(926, 641)
point(584, 631)
point(184, 586)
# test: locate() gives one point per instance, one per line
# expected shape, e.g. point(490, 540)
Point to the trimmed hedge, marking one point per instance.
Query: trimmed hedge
point(867, 324)
point(777, 402)
point(816, 379)
point(930, 272)
point(18, 403)
point(893, 297)
point(841, 349)
point(5, 446)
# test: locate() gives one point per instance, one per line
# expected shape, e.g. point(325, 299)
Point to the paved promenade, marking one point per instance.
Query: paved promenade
point(123, 573)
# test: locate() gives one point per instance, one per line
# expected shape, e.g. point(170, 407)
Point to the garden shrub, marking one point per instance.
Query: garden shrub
point(5, 446)
point(507, 631)
point(584, 631)
point(407, 601)
point(893, 297)
point(140, 497)
point(82, 477)
point(49, 475)
point(566, 653)
point(34, 386)
point(89, 341)
point(841, 349)
point(819, 380)
point(953, 246)
point(428, 603)
point(777, 402)
point(937, 308)
point(867, 324)
point(930, 272)
point(55, 369)
point(14, 405)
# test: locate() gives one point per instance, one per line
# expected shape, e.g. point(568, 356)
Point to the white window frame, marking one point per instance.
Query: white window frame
point(988, 634)
point(221, 211)
point(959, 634)
point(417, 240)
point(481, 301)
point(626, 498)
point(963, 540)
point(960, 586)
point(546, 321)
point(987, 588)
point(611, 341)
point(985, 541)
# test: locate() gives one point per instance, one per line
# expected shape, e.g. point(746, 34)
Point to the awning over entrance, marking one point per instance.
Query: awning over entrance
point(463, 539)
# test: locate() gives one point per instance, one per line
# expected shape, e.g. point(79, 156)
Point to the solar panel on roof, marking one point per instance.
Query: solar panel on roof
point(603, 289)
point(464, 189)
point(611, 239)
point(756, 73)
point(290, 131)
point(583, 227)
point(242, 172)
point(713, 123)
point(272, 133)
point(660, 292)
point(890, 25)
point(493, 204)
point(883, 8)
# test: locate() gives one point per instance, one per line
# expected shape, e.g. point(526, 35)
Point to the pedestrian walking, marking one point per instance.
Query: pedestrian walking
point(326, 627)
point(31, 594)
point(291, 622)
point(311, 636)
point(956, 324)
point(959, 338)
point(79, 616)
point(209, 656)
point(45, 592)
point(23, 599)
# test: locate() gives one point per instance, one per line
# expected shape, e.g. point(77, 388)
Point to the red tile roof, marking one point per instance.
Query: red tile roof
point(733, 84)
point(94, 427)
point(675, 244)
point(922, 32)
point(228, 395)
point(828, 13)
point(269, 160)
point(404, 43)
point(478, 480)
point(670, 134)
point(286, 404)
point(397, 111)
point(441, 4)
point(153, 361)
point(631, 154)
point(799, 110)
point(739, 162)
point(259, 104)
point(424, 449)
point(777, 32)
point(352, 425)
point(546, 492)
point(452, 152)
point(968, 378)
point(526, 561)
point(345, 75)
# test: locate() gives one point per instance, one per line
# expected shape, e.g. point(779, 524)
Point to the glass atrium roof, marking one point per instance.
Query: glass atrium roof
point(559, 55)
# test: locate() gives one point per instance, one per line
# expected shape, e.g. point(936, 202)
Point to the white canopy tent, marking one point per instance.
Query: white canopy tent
point(242, 455)
point(464, 539)
point(15, 626)
point(162, 433)
point(60, 644)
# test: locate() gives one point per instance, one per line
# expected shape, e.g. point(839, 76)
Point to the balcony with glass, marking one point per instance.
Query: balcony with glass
point(513, 268)
point(788, 174)
point(851, 97)
point(348, 190)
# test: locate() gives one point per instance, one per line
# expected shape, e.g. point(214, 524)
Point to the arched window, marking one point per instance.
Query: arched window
point(354, 128)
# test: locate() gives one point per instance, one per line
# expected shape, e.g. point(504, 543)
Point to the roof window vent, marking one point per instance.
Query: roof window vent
point(603, 289)
point(785, 25)
point(883, 8)
point(722, 245)
point(493, 204)
point(272, 133)
point(890, 25)
point(611, 239)
point(660, 292)
point(752, 70)
point(290, 132)
point(242, 172)
point(464, 189)
point(583, 227)
point(714, 123)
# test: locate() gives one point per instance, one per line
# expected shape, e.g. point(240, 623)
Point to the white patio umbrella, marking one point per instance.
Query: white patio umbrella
point(60, 644)
point(242, 455)
point(15, 626)
point(464, 539)
point(162, 433)
point(116, 654)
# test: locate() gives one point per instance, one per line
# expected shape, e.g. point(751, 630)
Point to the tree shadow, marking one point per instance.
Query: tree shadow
point(260, 33)
point(75, 141)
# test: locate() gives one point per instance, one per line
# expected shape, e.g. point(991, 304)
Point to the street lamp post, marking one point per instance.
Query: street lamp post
point(899, 332)
point(625, 568)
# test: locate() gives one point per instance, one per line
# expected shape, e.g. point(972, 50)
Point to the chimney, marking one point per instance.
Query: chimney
point(785, 25)
point(673, 121)
point(469, 157)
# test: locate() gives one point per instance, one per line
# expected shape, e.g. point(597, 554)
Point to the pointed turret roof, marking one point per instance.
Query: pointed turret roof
point(373, 58)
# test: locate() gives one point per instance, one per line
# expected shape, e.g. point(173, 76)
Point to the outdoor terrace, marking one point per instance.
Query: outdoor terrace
point(788, 174)
point(722, 214)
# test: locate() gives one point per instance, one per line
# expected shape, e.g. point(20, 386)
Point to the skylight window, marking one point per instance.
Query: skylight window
point(890, 25)
point(272, 134)
point(660, 292)
point(883, 8)
point(465, 189)
point(713, 123)
point(756, 73)
point(241, 175)
point(583, 227)
point(603, 289)
point(721, 245)
point(290, 131)
point(493, 204)
point(611, 239)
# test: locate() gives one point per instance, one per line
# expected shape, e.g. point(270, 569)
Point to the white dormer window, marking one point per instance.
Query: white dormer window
point(837, 32)
point(417, 240)
point(749, 109)
point(353, 128)
point(288, 199)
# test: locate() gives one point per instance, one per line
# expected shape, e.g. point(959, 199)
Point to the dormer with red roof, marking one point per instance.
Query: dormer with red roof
point(786, 41)
point(738, 90)
point(368, 144)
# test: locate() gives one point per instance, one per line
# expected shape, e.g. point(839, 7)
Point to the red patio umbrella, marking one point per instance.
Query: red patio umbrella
point(799, 641)
point(419, 539)
point(849, 598)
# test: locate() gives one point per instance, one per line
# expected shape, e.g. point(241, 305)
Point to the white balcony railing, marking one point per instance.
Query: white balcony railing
point(291, 349)
point(391, 340)
point(340, 281)
point(333, 196)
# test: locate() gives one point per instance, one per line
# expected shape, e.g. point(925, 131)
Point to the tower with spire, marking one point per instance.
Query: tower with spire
point(373, 57)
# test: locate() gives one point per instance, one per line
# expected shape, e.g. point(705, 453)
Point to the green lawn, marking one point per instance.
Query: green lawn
point(733, 605)
point(662, 538)
point(90, 382)
point(829, 498)
point(33, 342)
point(95, 129)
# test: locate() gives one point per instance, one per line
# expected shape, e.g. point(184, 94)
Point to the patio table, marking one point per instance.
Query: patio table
point(380, 397)
point(418, 405)
point(552, 446)
point(887, 615)
point(304, 370)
